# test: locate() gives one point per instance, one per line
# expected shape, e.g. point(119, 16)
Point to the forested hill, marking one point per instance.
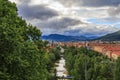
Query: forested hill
point(22, 56)
point(64, 38)
point(111, 37)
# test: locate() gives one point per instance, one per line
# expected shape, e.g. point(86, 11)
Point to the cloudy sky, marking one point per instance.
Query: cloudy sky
point(72, 17)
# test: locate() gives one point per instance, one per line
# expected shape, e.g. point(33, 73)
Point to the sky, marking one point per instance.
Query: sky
point(71, 17)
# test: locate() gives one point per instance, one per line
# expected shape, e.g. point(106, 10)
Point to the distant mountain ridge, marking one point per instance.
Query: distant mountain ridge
point(64, 38)
point(111, 37)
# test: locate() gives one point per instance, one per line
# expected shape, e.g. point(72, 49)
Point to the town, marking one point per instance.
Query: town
point(111, 50)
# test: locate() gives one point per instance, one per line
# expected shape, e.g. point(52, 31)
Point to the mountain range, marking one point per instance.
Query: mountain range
point(64, 38)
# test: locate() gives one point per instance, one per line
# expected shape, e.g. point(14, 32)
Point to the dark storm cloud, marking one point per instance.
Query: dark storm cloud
point(36, 12)
point(59, 24)
point(75, 32)
point(81, 31)
point(91, 3)
point(114, 11)
point(21, 1)
point(24, 1)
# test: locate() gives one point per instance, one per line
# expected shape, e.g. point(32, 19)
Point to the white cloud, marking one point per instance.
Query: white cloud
point(48, 15)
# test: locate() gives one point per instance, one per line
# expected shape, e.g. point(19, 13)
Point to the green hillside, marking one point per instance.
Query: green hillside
point(111, 37)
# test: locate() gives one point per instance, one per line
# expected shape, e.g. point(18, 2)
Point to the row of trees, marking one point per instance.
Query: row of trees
point(99, 67)
point(22, 52)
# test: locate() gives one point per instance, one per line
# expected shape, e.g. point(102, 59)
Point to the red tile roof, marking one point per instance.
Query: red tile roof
point(116, 52)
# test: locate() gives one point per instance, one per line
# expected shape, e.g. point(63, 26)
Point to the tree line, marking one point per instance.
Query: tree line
point(99, 67)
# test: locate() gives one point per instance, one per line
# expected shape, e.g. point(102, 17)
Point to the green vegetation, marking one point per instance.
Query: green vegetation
point(111, 37)
point(22, 52)
point(98, 66)
point(117, 69)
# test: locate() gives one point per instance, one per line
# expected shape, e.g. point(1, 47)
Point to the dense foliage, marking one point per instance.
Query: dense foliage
point(117, 69)
point(98, 66)
point(22, 52)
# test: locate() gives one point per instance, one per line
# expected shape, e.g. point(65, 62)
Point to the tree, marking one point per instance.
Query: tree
point(117, 69)
point(22, 54)
point(97, 65)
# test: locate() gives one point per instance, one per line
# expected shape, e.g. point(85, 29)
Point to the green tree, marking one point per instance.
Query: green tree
point(117, 69)
point(22, 54)
point(97, 64)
